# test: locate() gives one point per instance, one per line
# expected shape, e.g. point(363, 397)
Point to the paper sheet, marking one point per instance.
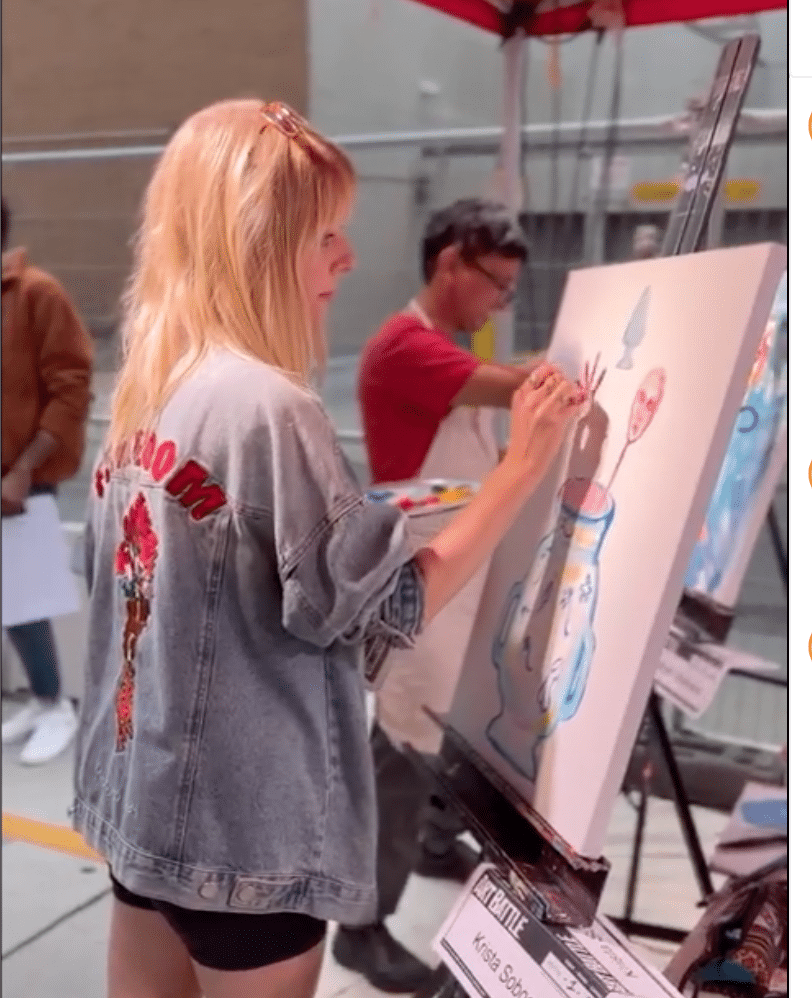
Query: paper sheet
point(752, 804)
point(690, 680)
point(37, 580)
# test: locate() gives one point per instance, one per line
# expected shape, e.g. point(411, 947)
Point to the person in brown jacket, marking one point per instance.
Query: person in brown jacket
point(46, 369)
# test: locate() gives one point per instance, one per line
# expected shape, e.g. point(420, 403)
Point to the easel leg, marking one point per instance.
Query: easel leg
point(681, 804)
point(634, 867)
point(778, 547)
point(627, 924)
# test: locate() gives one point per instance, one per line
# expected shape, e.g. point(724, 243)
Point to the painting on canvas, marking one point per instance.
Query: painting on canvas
point(755, 458)
point(581, 592)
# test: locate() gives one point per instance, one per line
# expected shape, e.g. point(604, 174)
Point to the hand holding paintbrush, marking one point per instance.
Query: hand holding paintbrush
point(587, 382)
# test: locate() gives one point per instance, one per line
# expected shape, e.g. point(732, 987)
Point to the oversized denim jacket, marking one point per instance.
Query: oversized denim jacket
point(236, 574)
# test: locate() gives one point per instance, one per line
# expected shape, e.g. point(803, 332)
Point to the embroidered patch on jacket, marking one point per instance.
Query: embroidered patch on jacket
point(135, 566)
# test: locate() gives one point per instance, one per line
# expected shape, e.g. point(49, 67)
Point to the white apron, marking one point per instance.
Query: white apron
point(464, 447)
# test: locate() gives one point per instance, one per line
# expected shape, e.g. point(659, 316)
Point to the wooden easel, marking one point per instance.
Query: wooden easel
point(686, 232)
point(513, 836)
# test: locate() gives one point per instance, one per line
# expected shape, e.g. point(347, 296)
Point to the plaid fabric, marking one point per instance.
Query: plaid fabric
point(745, 936)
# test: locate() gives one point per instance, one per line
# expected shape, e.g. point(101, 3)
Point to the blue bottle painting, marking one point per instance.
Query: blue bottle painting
point(748, 456)
point(544, 648)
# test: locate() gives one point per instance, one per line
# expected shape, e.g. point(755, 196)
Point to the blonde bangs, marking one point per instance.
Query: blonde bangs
point(230, 207)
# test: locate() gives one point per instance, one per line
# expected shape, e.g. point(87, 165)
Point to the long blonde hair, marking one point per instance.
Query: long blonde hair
point(230, 207)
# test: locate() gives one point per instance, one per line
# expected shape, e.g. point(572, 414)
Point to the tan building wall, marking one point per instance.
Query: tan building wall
point(96, 66)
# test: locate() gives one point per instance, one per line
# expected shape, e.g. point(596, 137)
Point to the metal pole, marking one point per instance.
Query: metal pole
point(509, 168)
point(714, 238)
point(681, 803)
point(778, 546)
point(637, 847)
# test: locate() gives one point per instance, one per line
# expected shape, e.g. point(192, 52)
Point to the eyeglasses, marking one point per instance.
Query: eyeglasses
point(507, 292)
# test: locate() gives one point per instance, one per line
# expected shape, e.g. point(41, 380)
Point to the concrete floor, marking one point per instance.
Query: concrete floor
point(56, 907)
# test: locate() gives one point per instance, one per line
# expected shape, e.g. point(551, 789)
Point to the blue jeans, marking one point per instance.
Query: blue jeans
point(35, 645)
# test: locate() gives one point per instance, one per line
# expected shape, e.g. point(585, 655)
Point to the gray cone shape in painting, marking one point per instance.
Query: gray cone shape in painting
point(635, 330)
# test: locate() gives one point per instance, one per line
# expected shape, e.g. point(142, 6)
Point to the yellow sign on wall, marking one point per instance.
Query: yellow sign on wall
point(655, 191)
point(483, 343)
point(738, 191)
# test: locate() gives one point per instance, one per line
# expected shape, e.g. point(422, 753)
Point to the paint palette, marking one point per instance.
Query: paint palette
point(425, 496)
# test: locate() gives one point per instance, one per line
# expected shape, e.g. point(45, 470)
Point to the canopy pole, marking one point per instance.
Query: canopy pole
point(509, 176)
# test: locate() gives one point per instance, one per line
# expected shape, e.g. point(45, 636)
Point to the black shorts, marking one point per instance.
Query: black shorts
point(231, 940)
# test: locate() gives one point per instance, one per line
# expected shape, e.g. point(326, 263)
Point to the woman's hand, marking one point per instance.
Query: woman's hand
point(542, 408)
point(541, 411)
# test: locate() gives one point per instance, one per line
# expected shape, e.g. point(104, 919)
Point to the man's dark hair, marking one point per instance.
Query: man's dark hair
point(478, 227)
point(6, 225)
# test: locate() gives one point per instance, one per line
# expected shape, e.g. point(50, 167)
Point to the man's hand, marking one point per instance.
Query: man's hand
point(15, 488)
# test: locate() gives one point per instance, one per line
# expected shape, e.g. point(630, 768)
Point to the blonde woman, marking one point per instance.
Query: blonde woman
point(237, 575)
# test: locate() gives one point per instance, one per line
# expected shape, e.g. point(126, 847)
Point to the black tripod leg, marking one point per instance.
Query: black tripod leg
point(681, 804)
point(778, 547)
point(637, 849)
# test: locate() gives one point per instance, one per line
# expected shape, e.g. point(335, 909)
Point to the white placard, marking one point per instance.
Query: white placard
point(494, 947)
point(691, 681)
point(37, 580)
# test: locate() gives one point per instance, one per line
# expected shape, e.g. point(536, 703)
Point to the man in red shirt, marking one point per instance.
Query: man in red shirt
point(426, 408)
point(412, 374)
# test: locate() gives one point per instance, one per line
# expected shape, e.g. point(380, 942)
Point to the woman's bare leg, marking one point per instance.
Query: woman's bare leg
point(294, 978)
point(146, 958)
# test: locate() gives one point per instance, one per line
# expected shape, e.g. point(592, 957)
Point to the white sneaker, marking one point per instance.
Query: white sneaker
point(53, 732)
point(23, 722)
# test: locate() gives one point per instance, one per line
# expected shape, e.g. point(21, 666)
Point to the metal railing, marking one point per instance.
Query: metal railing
point(755, 126)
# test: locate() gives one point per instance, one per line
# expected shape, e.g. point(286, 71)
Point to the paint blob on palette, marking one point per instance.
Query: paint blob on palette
point(425, 496)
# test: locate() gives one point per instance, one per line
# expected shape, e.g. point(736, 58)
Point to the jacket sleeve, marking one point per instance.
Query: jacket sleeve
point(345, 562)
point(66, 362)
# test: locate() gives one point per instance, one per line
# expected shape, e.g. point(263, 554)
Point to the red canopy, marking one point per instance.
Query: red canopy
point(568, 16)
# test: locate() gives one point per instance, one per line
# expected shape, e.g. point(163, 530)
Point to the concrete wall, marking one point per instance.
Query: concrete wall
point(94, 66)
point(369, 58)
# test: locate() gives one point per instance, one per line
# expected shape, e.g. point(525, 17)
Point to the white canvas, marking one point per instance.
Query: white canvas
point(753, 462)
point(580, 595)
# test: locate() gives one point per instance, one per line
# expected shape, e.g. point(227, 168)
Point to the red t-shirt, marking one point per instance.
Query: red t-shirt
point(407, 378)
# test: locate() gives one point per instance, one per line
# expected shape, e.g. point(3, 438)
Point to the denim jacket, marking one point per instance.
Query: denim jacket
point(236, 575)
